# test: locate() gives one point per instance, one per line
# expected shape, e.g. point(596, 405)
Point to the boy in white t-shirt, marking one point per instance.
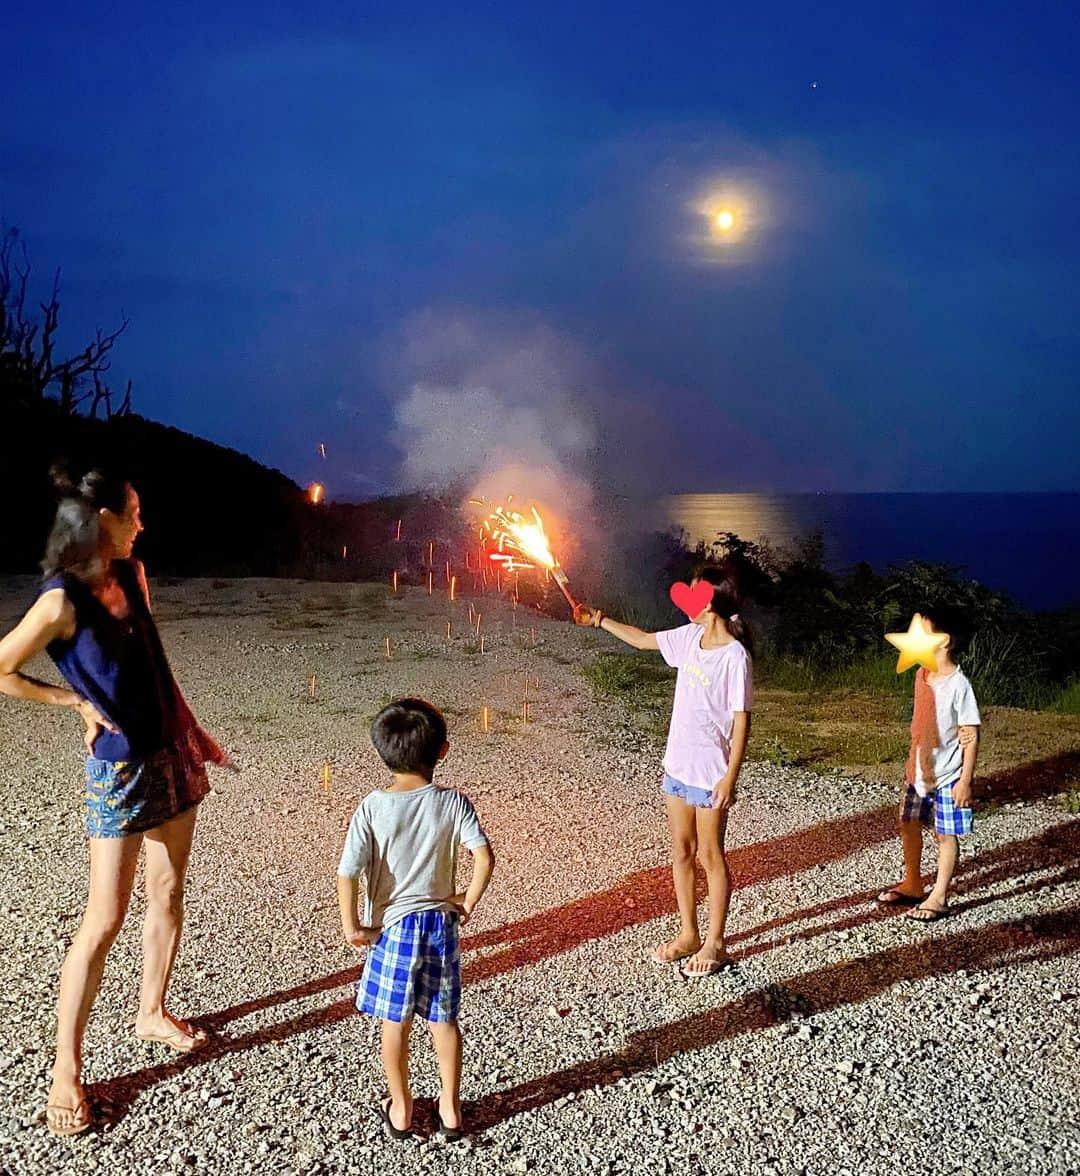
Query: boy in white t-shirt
point(941, 764)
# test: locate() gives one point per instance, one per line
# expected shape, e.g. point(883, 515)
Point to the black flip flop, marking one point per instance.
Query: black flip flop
point(898, 899)
point(394, 1132)
point(923, 914)
point(450, 1134)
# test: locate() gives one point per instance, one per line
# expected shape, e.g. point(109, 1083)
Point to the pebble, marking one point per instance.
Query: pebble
point(579, 1054)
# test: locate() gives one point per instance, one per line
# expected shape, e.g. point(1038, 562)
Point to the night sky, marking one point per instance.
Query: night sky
point(431, 235)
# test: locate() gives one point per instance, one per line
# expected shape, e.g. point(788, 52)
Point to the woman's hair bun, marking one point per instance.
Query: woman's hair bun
point(62, 481)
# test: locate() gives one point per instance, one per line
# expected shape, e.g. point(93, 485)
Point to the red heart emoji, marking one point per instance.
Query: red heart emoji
point(691, 600)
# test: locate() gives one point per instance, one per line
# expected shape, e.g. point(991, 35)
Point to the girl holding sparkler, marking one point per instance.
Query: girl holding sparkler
point(145, 773)
point(710, 723)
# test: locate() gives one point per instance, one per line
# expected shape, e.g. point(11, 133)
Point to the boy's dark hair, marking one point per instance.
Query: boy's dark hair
point(727, 601)
point(409, 734)
point(947, 618)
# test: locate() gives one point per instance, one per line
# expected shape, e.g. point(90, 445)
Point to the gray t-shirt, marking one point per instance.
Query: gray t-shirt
point(941, 709)
point(406, 845)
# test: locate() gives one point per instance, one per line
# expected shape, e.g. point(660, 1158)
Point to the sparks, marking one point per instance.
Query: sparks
point(326, 777)
point(387, 648)
point(453, 588)
point(322, 450)
point(522, 544)
point(316, 493)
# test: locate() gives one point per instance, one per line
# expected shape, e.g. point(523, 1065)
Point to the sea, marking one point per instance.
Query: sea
point(1027, 545)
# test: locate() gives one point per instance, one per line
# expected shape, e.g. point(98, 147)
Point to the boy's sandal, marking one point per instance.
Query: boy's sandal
point(83, 1120)
point(450, 1134)
point(925, 914)
point(705, 968)
point(894, 897)
point(388, 1126)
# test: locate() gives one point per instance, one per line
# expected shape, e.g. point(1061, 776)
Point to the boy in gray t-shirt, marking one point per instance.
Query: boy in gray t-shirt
point(404, 840)
point(941, 765)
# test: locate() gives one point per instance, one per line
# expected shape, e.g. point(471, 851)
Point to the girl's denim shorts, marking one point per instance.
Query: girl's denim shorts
point(695, 797)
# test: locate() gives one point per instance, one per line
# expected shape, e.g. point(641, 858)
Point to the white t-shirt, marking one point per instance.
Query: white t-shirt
point(941, 708)
point(711, 686)
point(406, 845)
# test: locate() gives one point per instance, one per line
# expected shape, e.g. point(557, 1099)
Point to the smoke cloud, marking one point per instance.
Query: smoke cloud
point(503, 405)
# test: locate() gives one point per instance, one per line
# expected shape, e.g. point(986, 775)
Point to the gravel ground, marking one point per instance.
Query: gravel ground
point(847, 1041)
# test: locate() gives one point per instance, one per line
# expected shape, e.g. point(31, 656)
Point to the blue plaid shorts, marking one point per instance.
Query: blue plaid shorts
point(414, 968)
point(937, 809)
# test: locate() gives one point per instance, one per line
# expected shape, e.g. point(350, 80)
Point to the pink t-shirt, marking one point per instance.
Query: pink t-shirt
point(712, 685)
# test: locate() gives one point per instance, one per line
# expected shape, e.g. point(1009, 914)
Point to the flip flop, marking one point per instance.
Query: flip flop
point(710, 968)
point(897, 898)
point(450, 1134)
point(657, 958)
point(76, 1128)
point(388, 1126)
point(177, 1038)
point(923, 914)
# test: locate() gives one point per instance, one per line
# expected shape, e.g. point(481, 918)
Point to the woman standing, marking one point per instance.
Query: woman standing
point(145, 772)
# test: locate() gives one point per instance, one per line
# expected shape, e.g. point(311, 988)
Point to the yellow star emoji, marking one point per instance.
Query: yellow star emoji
point(917, 645)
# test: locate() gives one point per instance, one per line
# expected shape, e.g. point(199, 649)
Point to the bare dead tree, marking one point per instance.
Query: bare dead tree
point(28, 365)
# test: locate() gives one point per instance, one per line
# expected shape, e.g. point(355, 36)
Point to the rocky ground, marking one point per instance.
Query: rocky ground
point(847, 1040)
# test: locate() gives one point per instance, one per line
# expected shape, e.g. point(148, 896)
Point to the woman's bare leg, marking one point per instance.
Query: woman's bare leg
point(112, 875)
point(680, 817)
point(168, 848)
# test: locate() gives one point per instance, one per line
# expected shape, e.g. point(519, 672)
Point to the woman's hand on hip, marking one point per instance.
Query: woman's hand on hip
point(95, 722)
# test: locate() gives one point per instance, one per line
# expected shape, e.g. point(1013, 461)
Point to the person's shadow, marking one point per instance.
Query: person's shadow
point(647, 895)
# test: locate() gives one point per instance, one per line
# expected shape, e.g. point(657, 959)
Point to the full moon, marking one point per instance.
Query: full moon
point(725, 220)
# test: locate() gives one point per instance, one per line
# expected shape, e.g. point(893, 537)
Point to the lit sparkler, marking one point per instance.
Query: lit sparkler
point(522, 544)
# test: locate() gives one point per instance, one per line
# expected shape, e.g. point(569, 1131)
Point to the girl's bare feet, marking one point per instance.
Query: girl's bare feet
point(707, 961)
point(676, 949)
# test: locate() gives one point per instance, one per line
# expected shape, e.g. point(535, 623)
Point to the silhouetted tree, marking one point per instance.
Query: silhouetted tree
point(29, 368)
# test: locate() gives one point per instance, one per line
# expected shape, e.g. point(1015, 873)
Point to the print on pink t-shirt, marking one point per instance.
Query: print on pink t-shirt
point(711, 686)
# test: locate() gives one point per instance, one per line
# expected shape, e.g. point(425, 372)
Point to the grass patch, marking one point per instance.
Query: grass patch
point(1068, 701)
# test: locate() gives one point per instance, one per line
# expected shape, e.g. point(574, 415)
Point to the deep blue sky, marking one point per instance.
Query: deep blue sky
point(319, 215)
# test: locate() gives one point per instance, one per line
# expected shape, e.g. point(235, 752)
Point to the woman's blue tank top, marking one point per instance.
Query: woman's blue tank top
point(120, 666)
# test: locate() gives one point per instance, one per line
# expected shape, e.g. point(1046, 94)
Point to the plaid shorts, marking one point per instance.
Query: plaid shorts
point(937, 809)
point(414, 968)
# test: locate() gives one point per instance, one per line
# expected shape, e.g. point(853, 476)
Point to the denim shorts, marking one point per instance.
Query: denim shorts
point(695, 797)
